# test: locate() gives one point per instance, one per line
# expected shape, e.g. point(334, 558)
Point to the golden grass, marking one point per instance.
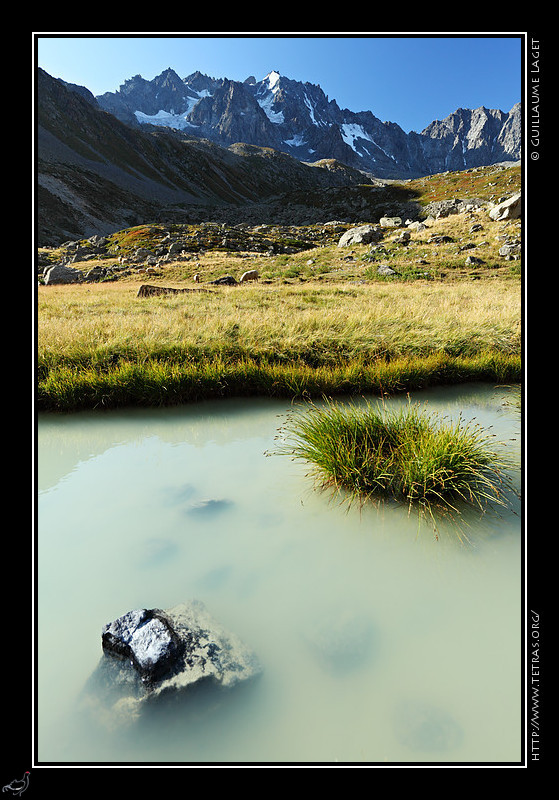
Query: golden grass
point(346, 319)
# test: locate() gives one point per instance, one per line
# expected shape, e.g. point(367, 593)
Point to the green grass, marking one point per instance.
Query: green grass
point(172, 380)
point(407, 454)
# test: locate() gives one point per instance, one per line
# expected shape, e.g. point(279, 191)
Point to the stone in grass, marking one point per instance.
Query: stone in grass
point(362, 234)
point(383, 269)
point(390, 222)
point(508, 209)
point(149, 654)
point(60, 273)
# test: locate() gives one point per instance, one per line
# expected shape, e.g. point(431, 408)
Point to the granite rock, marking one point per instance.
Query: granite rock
point(151, 653)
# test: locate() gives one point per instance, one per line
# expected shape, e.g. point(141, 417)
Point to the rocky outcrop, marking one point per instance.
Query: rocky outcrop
point(471, 138)
point(59, 273)
point(149, 654)
point(511, 250)
point(390, 222)
point(455, 205)
point(508, 209)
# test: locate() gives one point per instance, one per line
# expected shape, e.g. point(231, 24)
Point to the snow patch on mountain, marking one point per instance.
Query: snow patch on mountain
point(267, 94)
point(311, 108)
point(352, 132)
point(296, 141)
point(170, 119)
point(266, 106)
point(166, 119)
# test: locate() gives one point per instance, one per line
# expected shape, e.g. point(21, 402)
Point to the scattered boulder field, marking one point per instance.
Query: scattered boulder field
point(147, 250)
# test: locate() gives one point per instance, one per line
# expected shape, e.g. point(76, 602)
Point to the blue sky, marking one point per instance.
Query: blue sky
point(408, 79)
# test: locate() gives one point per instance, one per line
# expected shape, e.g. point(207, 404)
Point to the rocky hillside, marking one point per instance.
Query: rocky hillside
point(298, 118)
point(474, 234)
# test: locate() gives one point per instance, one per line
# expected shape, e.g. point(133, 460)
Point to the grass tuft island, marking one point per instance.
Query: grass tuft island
point(406, 454)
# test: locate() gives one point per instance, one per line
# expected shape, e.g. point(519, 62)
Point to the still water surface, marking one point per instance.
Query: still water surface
point(429, 625)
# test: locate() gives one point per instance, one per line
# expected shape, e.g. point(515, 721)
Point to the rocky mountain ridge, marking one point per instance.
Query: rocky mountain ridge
point(298, 119)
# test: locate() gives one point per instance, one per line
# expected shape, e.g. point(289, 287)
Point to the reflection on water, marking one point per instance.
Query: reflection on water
point(380, 641)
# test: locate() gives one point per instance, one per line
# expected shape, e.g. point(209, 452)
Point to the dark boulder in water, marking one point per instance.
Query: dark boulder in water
point(151, 653)
point(145, 639)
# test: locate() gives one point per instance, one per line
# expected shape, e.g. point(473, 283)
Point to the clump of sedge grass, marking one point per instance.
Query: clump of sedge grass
point(405, 454)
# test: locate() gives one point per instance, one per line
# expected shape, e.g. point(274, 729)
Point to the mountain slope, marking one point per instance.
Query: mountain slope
point(299, 119)
point(96, 174)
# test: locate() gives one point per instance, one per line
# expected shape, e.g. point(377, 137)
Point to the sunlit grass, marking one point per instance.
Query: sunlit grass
point(102, 345)
point(332, 321)
point(314, 324)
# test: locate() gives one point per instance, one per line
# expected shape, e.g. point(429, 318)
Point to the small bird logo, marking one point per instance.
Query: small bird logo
point(17, 787)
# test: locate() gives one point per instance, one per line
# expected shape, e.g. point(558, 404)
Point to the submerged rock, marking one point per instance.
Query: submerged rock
point(148, 653)
point(145, 639)
point(343, 643)
point(426, 728)
point(209, 507)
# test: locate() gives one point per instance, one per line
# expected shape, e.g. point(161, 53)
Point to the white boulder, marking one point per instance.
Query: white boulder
point(508, 209)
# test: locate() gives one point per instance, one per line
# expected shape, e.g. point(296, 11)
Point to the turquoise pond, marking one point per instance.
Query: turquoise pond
point(381, 639)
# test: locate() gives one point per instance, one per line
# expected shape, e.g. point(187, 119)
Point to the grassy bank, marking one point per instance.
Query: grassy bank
point(100, 345)
point(158, 383)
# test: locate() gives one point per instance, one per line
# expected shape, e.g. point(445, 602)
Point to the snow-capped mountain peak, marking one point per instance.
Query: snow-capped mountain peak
point(272, 81)
point(297, 118)
point(266, 95)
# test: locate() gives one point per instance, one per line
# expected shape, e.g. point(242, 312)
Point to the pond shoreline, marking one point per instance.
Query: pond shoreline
point(158, 383)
